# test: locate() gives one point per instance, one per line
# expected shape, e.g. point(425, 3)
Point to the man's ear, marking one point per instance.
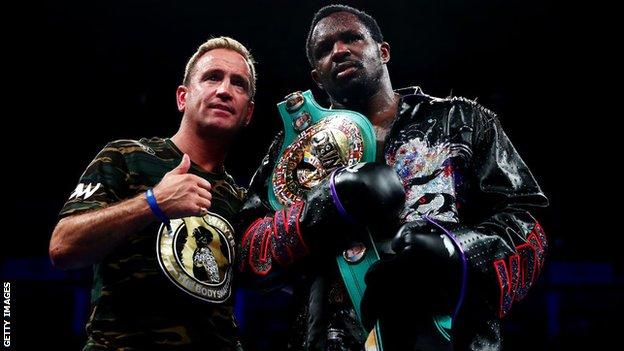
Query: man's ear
point(181, 97)
point(250, 110)
point(316, 79)
point(384, 50)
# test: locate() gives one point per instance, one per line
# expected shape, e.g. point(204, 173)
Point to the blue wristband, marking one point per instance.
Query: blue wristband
point(151, 200)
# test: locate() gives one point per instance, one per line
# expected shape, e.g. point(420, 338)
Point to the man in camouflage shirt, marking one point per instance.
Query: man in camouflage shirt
point(152, 217)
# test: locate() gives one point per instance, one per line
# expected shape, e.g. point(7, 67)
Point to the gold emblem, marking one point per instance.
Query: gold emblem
point(197, 256)
point(333, 142)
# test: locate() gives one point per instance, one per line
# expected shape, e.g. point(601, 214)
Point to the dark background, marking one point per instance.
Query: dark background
point(80, 74)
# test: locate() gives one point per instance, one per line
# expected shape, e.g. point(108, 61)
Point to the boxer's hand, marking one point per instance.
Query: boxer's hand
point(367, 194)
point(180, 194)
point(428, 260)
point(370, 193)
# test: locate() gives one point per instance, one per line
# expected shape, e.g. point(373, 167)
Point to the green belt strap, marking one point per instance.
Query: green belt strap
point(353, 277)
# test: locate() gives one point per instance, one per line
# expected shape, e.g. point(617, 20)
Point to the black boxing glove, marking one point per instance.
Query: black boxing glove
point(426, 257)
point(366, 194)
point(361, 195)
point(369, 193)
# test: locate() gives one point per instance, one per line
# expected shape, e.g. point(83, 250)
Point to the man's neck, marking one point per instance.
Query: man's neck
point(380, 108)
point(208, 153)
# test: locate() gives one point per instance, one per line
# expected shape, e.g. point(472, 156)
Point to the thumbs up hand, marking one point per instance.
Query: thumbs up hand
point(180, 194)
point(183, 167)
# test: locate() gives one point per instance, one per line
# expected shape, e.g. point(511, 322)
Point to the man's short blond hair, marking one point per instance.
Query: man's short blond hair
point(223, 43)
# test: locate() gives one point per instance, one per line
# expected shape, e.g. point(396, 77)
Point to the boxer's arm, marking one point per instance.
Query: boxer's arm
point(320, 223)
point(365, 194)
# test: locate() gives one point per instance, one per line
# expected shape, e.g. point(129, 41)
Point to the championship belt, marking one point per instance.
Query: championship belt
point(316, 142)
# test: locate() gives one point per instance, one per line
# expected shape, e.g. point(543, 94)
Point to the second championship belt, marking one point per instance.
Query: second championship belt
point(316, 142)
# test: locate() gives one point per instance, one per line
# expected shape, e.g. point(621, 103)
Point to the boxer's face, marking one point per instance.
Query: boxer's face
point(347, 61)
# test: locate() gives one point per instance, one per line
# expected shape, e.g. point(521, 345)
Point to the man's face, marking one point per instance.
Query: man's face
point(217, 97)
point(348, 63)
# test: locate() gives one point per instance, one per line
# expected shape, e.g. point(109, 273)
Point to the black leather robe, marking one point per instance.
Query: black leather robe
point(458, 168)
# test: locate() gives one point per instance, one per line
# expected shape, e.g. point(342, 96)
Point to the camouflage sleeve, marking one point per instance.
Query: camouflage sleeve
point(102, 183)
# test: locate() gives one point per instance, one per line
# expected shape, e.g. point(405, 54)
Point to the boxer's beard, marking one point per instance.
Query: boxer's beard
point(353, 93)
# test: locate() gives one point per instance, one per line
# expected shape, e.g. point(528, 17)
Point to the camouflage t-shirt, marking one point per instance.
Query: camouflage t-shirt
point(163, 288)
